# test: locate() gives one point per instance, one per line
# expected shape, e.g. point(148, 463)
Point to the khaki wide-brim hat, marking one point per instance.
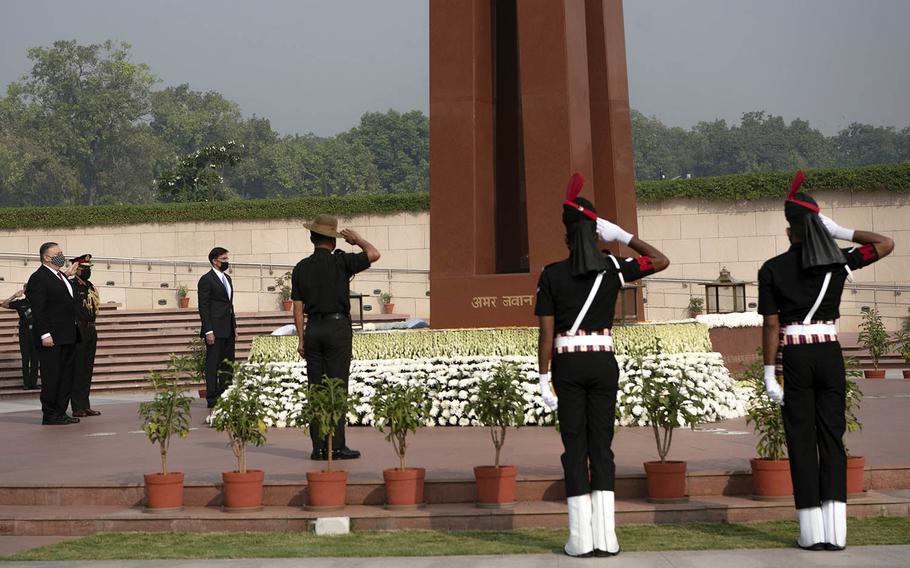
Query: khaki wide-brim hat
point(326, 225)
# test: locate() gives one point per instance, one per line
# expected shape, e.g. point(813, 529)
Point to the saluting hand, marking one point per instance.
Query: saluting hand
point(350, 236)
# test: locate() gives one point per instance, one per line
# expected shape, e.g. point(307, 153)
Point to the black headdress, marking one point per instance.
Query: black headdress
point(819, 248)
point(580, 217)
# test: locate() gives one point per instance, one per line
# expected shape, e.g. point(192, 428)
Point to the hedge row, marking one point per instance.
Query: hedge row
point(776, 184)
point(302, 208)
point(733, 187)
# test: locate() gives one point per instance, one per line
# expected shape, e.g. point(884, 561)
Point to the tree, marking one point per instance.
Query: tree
point(864, 144)
point(198, 176)
point(400, 146)
point(80, 102)
point(188, 119)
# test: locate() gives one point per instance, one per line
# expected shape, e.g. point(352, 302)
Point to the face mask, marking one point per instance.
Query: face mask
point(86, 273)
point(58, 260)
point(224, 266)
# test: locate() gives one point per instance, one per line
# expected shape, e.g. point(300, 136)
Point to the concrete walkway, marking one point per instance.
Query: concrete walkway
point(878, 556)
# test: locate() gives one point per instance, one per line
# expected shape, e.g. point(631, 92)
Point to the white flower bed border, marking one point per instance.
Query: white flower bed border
point(450, 382)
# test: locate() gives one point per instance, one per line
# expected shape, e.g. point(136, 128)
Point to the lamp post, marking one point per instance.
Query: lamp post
point(725, 294)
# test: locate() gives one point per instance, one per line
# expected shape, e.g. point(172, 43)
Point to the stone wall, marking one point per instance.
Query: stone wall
point(700, 237)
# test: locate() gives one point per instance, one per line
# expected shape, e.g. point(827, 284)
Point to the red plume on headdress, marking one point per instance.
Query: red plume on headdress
point(794, 187)
point(796, 183)
point(574, 188)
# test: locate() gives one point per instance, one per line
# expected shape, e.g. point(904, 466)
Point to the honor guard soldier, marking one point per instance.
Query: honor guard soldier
point(87, 301)
point(799, 296)
point(575, 304)
point(27, 348)
point(321, 290)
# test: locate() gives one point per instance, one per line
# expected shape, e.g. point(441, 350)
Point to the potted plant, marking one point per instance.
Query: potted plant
point(327, 403)
point(874, 338)
point(902, 340)
point(168, 413)
point(497, 403)
point(183, 299)
point(397, 411)
point(856, 465)
point(696, 306)
point(240, 413)
point(386, 300)
point(283, 283)
point(668, 404)
point(771, 469)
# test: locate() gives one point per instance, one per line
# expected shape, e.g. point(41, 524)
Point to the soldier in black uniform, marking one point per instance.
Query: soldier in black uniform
point(799, 296)
point(320, 288)
point(87, 301)
point(27, 347)
point(575, 303)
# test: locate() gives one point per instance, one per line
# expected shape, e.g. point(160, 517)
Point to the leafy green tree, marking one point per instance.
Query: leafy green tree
point(81, 102)
point(198, 176)
point(400, 146)
point(187, 119)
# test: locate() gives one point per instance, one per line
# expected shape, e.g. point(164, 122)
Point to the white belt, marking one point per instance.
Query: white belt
point(581, 343)
point(810, 329)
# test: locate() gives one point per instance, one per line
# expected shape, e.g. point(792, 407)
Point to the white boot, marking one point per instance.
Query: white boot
point(581, 535)
point(604, 524)
point(811, 529)
point(834, 514)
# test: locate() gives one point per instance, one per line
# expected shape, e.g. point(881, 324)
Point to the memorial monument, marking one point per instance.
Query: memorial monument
point(522, 94)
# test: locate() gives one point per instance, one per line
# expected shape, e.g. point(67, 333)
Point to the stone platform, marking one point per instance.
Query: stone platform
point(88, 477)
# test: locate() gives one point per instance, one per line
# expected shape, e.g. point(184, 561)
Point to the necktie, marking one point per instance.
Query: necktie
point(225, 284)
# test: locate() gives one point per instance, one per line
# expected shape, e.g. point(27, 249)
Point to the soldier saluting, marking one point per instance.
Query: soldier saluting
point(576, 299)
point(799, 296)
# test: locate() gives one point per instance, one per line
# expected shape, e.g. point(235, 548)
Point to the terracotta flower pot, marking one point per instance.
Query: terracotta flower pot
point(286, 305)
point(403, 487)
point(856, 466)
point(243, 491)
point(771, 479)
point(495, 486)
point(326, 490)
point(388, 308)
point(906, 373)
point(183, 302)
point(203, 393)
point(874, 374)
point(163, 492)
point(666, 481)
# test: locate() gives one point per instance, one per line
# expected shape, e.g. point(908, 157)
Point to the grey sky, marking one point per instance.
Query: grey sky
point(317, 65)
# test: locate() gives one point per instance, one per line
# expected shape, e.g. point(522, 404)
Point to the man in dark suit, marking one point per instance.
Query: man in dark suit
point(54, 312)
point(219, 326)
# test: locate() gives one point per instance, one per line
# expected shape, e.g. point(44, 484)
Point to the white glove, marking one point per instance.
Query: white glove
point(611, 232)
point(772, 387)
point(836, 230)
point(546, 392)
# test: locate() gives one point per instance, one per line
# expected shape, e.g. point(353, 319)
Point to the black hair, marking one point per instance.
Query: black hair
point(44, 248)
point(318, 239)
point(215, 253)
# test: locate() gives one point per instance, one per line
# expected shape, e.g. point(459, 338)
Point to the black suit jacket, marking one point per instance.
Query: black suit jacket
point(53, 309)
point(216, 309)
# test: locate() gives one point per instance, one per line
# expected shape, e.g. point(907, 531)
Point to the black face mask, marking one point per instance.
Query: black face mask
point(224, 266)
point(86, 273)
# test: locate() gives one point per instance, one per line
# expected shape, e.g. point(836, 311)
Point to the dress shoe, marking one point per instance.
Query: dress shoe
point(70, 420)
point(833, 547)
point(604, 554)
point(91, 412)
point(345, 453)
point(80, 413)
point(814, 547)
point(59, 421)
point(318, 455)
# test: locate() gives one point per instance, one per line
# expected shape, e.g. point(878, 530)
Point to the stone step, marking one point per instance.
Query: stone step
point(86, 520)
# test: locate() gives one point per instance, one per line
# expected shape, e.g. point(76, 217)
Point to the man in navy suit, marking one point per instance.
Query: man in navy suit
point(55, 332)
point(219, 326)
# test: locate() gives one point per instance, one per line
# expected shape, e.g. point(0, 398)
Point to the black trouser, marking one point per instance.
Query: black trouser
point(57, 366)
point(814, 400)
point(218, 372)
point(327, 348)
point(29, 353)
point(586, 385)
point(85, 366)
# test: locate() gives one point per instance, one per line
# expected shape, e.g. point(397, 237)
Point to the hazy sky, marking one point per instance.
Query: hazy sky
point(317, 65)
